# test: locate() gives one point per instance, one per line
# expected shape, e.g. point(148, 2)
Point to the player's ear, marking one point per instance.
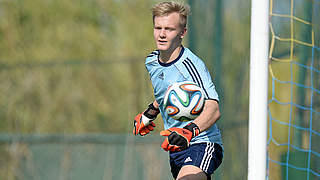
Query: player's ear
point(183, 32)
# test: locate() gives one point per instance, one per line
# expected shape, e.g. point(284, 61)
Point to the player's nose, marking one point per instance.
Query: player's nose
point(162, 33)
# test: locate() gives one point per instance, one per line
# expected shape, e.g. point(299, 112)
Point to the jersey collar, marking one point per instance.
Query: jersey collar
point(172, 62)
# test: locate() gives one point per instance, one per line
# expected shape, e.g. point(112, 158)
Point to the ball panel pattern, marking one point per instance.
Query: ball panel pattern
point(184, 101)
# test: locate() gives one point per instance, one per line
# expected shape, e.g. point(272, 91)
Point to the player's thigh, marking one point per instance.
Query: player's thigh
point(190, 172)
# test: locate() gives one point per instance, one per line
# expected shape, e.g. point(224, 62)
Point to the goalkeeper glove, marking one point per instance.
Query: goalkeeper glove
point(178, 139)
point(143, 122)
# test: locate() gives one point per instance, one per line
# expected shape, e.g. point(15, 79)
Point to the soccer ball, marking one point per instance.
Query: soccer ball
point(184, 101)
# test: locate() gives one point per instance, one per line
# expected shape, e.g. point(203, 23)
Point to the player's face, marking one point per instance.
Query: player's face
point(167, 32)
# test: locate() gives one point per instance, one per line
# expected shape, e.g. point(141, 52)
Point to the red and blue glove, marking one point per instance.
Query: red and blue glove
point(143, 122)
point(178, 139)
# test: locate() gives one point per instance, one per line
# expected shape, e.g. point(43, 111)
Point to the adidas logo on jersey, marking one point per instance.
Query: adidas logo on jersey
point(161, 76)
point(188, 159)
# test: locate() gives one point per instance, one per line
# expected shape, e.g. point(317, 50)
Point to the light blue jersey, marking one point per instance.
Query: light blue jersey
point(187, 67)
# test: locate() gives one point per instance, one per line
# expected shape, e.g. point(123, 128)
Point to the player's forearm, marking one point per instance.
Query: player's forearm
point(155, 104)
point(209, 115)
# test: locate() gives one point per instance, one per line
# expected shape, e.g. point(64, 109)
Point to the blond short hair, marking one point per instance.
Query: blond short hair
point(165, 8)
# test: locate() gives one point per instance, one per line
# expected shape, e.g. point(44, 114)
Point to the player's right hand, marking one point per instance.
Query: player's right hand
point(142, 125)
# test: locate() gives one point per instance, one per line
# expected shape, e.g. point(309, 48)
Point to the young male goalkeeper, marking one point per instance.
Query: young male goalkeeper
point(195, 147)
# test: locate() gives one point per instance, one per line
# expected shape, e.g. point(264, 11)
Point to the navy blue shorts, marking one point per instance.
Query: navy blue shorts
point(206, 156)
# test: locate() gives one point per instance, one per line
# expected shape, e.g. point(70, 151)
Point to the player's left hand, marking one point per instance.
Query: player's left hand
point(178, 139)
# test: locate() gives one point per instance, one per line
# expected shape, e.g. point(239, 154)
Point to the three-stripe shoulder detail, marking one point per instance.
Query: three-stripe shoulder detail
point(195, 75)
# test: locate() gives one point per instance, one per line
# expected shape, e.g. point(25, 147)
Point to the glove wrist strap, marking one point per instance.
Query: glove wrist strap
point(151, 106)
point(152, 112)
point(193, 128)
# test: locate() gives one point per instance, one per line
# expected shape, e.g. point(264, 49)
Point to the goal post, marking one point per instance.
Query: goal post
point(258, 96)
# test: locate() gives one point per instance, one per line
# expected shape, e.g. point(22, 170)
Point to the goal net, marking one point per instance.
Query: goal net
point(294, 90)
